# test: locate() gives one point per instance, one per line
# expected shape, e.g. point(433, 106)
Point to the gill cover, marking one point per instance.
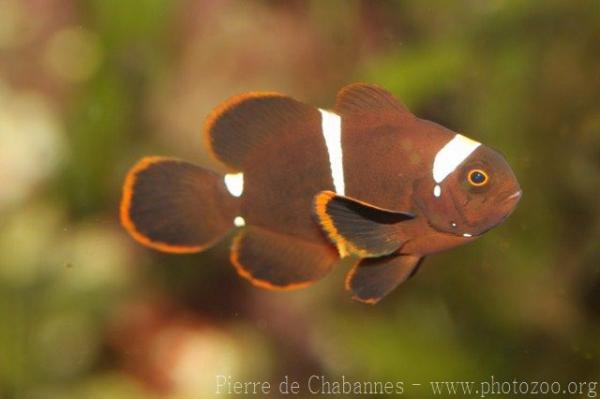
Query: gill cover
point(468, 207)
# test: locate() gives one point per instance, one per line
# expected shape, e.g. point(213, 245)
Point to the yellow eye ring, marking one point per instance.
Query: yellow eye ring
point(478, 178)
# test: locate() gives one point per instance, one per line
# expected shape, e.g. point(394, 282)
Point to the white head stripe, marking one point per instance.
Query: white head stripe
point(235, 183)
point(452, 155)
point(331, 125)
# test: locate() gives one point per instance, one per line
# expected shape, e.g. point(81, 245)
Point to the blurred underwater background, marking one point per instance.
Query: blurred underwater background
point(88, 87)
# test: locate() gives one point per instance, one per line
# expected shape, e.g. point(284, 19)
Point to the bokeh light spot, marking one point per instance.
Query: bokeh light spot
point(73, 54)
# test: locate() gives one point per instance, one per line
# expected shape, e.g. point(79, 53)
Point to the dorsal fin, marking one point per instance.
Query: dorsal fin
point(242, 124)
point(363, 98)
point(358, 228)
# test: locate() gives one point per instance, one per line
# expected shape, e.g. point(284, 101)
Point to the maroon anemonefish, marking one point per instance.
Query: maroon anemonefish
point(383, 186)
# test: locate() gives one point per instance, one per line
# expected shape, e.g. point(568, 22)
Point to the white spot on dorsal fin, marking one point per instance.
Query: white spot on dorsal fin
point(239, 221)
point(235, 183)
point(437, 190)
point(467, 235)
point(331, 126)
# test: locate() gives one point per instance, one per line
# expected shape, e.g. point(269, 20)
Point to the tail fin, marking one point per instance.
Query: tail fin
point(175, 206)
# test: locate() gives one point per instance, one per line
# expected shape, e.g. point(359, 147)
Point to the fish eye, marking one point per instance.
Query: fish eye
point(478, 177)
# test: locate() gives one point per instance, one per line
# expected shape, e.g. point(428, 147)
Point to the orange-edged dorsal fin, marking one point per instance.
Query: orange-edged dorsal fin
point(277, 261)
point(175, 206)
point(363, 98)
point(358, 228)
point(243, 124)
point(372, 279)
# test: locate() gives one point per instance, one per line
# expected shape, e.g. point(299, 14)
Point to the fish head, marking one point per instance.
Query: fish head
point(476, 196)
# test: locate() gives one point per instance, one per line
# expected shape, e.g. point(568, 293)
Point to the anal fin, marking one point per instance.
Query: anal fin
point(372, 279)
point(279, 262)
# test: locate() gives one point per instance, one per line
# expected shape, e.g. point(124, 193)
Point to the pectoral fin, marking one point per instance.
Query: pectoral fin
point(358, 228)
point(372, 279)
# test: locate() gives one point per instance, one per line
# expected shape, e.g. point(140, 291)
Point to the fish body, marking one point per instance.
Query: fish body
point(383, 186)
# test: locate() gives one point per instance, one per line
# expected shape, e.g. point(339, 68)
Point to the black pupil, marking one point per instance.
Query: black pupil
point(477, 177)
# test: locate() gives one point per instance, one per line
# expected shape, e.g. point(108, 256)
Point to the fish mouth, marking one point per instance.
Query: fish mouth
point(509, 203)
point(514, 197)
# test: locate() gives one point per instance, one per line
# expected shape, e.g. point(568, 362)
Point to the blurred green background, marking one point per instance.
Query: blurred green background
point(88, 87)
